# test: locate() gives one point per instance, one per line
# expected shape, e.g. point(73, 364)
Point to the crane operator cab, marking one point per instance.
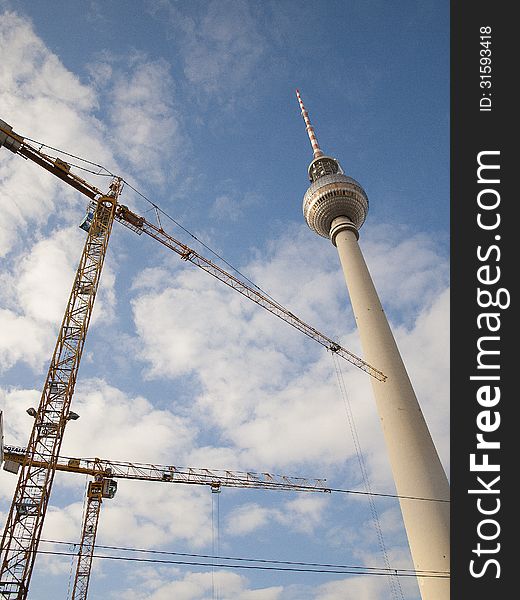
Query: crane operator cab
point(89, 217)
point(106, 488)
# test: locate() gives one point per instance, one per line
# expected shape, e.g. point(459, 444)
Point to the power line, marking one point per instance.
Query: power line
point(377, 570)
point(396, 572)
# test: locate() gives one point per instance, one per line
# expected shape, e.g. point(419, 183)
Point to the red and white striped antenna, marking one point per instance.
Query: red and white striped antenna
point(310, 130)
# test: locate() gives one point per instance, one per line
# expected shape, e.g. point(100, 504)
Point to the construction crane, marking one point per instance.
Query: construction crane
point(27, 512)
point(104, 485)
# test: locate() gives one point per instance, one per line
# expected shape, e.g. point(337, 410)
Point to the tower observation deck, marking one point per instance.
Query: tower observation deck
point(335, 206)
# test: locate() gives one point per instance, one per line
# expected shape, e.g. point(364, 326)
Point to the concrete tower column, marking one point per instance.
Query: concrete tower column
point(416, 467)
point(335, 206)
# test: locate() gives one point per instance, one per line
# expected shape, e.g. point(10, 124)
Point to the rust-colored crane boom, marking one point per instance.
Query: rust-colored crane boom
point(141, 225)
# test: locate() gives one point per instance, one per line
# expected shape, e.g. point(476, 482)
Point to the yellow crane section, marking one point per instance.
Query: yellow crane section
point(139, 225)
point(14, 457)
point(104, 485)
point(27, 512)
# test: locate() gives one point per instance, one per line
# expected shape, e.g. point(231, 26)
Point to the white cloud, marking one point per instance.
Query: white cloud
point(220, 45)
point(226, 208)
point(29, 68)
point(44, 276)
point(23, 340)
point(144, 128)
point(281, 413)
point(247, 518)
point(41, 99)
point(406, 268)
point(128, 428)
point(301, 514)
point(359, 587)
point(200, 586)
point(36, 289)
point(426, 352)
point(148, 515)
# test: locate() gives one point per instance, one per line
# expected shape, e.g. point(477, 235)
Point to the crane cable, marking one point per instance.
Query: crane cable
point(154, 206)
point(215, 539)
point(107, 173)
point(393, 582)
point(221, 258)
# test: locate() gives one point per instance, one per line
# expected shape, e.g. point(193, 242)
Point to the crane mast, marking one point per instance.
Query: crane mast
point(26, 516)
point(97, 490)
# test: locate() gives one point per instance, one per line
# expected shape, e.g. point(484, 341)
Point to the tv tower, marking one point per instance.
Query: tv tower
point(335, 206)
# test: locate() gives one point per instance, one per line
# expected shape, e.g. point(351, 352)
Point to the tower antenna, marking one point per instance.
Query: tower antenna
point(310, 129)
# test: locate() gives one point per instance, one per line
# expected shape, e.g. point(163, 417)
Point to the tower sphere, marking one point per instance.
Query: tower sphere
point(332, 194)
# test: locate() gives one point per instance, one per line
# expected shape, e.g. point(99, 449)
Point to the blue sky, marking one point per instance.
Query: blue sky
point(194, 104)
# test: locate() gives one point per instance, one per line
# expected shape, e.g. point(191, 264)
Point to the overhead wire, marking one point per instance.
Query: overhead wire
point(238, 559)
point(267, 565)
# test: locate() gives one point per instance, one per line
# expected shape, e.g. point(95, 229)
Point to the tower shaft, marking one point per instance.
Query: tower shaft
point(416, 467)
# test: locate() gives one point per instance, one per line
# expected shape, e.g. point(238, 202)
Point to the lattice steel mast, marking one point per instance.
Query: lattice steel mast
point(26, 516)
point(97, 490)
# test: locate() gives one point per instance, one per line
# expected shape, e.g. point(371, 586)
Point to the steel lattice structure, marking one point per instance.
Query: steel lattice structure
point(26, 516)
point(98, 467)
point(88, 539)
point(141, 225)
